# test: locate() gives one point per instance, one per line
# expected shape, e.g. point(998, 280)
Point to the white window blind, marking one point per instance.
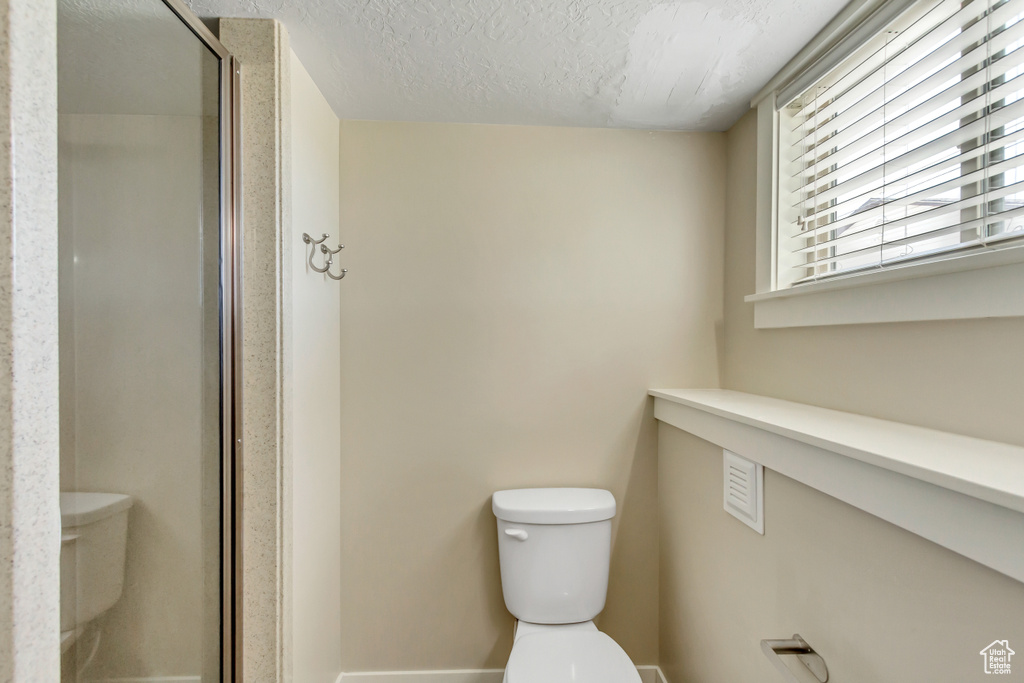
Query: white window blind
point(910, 149)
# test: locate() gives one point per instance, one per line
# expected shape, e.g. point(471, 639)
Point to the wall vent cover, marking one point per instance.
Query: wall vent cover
point(743, 483)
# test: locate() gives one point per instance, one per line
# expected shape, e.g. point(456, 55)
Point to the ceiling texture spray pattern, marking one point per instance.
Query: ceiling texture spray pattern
point(606, 63)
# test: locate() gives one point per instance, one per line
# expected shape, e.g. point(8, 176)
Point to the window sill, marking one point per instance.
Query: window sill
point(979, 285)
point(962, 493)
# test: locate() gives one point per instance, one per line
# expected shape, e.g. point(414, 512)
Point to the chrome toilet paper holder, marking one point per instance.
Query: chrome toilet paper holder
point(774, 649)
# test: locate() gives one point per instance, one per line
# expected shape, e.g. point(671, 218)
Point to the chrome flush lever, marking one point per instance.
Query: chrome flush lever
point(517, 533)
point(804, 652)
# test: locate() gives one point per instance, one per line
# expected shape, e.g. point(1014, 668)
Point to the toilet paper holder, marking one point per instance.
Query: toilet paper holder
point(773, 649)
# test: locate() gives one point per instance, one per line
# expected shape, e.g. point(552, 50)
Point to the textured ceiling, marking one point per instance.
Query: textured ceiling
point(610, 63)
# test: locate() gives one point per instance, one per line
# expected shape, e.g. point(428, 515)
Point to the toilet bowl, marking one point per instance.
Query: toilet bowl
point(545, 653)
point(554, 547)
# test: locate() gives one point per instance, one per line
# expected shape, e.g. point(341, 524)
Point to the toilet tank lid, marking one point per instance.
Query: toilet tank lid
point(553, 506)
point(78, 508)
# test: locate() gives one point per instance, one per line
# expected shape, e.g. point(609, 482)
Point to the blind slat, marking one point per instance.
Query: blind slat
point(871, 114)
point(968, 103)
point(893, 260)
point(924, 137)
point(846, 211)
point(854, 83)
point(922, 153)
point(972, 243)
point(973, 225)
point(917, 218)
point(953, 35)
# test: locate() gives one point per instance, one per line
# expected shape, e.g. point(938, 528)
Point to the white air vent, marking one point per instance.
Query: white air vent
point(744, 490)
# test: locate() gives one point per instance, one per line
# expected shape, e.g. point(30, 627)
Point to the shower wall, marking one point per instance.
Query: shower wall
point(131, 385)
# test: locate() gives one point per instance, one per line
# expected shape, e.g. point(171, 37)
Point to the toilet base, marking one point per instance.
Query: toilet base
point(525, 628)
point(68, 638)
point(563, 653)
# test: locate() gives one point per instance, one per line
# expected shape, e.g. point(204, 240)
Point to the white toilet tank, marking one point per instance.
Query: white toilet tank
point(554, 547)
point(94, 530)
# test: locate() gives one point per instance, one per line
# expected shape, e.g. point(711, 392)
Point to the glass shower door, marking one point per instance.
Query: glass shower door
point(146, 339)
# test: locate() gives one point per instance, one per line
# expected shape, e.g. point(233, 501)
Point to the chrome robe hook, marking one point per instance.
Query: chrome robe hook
point(327, 253)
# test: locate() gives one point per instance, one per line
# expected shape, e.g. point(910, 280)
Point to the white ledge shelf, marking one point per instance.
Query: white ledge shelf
point(963, 493)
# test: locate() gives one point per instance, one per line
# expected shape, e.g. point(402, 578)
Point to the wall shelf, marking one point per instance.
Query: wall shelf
point(965, 494)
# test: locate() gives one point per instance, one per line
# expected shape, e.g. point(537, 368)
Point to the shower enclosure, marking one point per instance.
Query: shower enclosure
point(149, 335)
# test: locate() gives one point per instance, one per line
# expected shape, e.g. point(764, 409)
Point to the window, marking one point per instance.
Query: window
point(908, 149)
point(912, 147)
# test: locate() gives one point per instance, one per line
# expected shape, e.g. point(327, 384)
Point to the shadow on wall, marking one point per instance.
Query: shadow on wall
point(490, 567)
point(634, 562)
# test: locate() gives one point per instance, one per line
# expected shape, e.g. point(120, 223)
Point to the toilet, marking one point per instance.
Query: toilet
point(554, 546)
point(94, 537)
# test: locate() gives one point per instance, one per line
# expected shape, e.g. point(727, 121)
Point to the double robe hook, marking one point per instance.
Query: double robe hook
point(327, 253)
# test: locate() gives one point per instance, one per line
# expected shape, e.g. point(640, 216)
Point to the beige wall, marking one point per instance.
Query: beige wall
point(316, 391)
point(513, 293)
point(961, 376)
point(878, 602)
point(132, 382)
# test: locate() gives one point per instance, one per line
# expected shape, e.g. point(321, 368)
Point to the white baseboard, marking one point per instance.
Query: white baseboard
point(440, 676)
point(149, 679)
point(651, 674)
point(648, 674)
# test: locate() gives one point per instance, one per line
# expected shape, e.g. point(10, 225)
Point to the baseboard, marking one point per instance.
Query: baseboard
point(651, 674)
point(149, 679)
point(648, 674)
point(441, 676)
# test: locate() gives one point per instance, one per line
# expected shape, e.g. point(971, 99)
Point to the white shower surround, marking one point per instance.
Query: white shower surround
point(29, 421)
point(690, 65)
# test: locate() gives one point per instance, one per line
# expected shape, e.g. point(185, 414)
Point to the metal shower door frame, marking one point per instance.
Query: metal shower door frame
point(230, 155)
